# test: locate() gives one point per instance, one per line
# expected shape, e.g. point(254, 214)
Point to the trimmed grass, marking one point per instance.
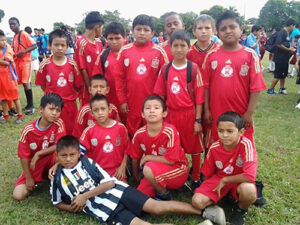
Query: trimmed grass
point(277, 126)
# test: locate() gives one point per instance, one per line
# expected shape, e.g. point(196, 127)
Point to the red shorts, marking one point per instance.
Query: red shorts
point(68, 115)
point(208, 186)
point(184, 121)
point(41, 170)
point(84, 95)
point(134, 122)
point(294, 59)
point(23, 69)
point(167, 176)
point(8, 87)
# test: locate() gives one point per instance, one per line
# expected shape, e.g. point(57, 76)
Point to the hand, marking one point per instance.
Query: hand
point(78, 203)
point(144, 160)
point(292, 50)
point(20, 54)
point(197, 128)
point(30, 185)
point(220, 186)
point(121, 173)
point(248, 119)
point(52, 171)
point(208, 117)
point(124, 108)
point(35, 158)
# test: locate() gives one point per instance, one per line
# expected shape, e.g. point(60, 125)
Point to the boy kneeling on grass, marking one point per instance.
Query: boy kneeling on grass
point(80, 184)
point(230, 167)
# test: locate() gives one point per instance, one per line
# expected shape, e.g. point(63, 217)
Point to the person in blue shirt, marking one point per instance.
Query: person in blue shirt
point(45, 41)
point(253, 39)
point(293, 43)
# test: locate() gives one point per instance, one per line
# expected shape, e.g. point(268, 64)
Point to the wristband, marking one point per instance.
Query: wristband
point(199, 120)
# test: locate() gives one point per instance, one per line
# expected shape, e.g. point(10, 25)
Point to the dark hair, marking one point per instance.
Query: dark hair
point(180, 35)
point(42, 29)
point(290, 22)
point(66, 142)
point(255, 28)
point(79, 32)
point(155, 97)
point(98, 77)
point(169, 14)
point(98, 97)
point(143, 19)
point(2, 33)
point(28, 30)
point(92, 19)
point(36, 29)
point(298, 25)
point(204, 18)
point(57, 33)
point(52, 98)
point(14, 18)
point(114, 28)
point(297, 37)
point(232, 117)
point(228, 15)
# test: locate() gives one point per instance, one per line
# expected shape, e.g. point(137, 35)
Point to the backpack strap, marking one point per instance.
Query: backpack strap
point(103, 58)
point(19, 41)
point(91, 169)
point(167, 70)
point(189, 72)
point(191, 77)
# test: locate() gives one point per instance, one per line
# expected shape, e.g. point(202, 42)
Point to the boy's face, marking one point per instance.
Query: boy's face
point(153, 111)
point(142, 34)
point(50, 113)
point(100, 111)
point(179, 49)
point(229, 32)
point(115, 41)
point(291, 28)
point(229, 134)
point(59, 46)
point(98, 30)
point(14, 26)
point(203, 31)
point(98, 87)
point(257, 33)
point(2, 41)
point(172, 24)
point(68, 157)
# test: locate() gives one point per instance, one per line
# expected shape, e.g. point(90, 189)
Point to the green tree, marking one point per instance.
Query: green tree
point(215, 12)
point(189, 20)
point(57, 25)
point(2, 14)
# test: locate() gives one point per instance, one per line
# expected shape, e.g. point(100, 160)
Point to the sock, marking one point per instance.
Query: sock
point(6, 117)
point(196, 163)
point(20, 116)
point(29, 98)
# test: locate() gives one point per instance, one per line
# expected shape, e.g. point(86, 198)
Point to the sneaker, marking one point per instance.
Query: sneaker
point(271, 92)
point(282, 91)
point(215, 214)
point(30, 111)
point(2, 120)
point(164, 196)
point(19, 121)
point(298, 106)
point(196, 184)
point(206, 222)
point(260, 201)
point(237, 217)
point(12, 112)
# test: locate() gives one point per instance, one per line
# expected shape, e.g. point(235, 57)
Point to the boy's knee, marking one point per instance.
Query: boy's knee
point(247, 191)
point(200, 201)
point(147, 172)
point(20, 192)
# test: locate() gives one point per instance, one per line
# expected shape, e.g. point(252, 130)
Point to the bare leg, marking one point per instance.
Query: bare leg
point(282, 83)
point(274, 82)
point(20, 192)
point(138, 221)
point(4, 107)
point(150, 177)
point(247, 195)
point(18, 106)
point(200, 201)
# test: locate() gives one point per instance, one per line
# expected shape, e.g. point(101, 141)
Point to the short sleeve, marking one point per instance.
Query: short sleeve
point(174, 149)
point(41, 75)
point(209, 168)
point(23, 147)
point(136, 151)
point(160, 85)
point(257, 82)
point(61, 130)
point(199, 87)
point(85, 141)
point(206, 68)
point(249, 157)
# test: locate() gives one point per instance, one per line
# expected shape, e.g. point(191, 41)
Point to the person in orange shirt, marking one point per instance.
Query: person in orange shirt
point(8, 81)
point(22, 45)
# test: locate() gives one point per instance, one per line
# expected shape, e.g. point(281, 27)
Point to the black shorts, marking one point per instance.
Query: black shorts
point(281, 70)
point(130, 206)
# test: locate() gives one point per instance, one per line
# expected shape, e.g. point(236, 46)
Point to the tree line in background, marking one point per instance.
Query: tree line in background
point(272, 15)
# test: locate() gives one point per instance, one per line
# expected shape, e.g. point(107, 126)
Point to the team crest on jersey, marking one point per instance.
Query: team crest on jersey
point(155, 62)
point(90, 122)
point(89, 59)
point(48, 78)
point(126, 62)
point(229, 169)
point(45, 144)
point(244, 70)
point(214, 64)
point(227, 71)
point(52, 137)
point(219, 164)
point(61, 82)
point(118, 141)
point(142, 69)
point(33, 146)
point(239, 162)
point(162, 150)
point(175, 88)
point(143, 147)
point(154, 153)
point(94, 142)
point(71, 77)
point(106, 63)
point(108, 147)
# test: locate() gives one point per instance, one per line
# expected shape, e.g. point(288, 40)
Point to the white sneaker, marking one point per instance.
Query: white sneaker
point(298, 106)
point(215, 214)
point(206, 222)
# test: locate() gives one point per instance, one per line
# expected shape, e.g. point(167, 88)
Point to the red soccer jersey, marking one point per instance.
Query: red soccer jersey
point(62, 80)
point(33, 139)
point(137, 72)
point(105, 145)
point(175, 88)
point(167, 47)
point(240, 160)
point(84, 118)
point(230, 78)
point(166, 144)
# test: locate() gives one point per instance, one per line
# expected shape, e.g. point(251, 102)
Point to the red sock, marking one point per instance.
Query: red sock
point(6, 117)
point(20, 116)
point(196, 163)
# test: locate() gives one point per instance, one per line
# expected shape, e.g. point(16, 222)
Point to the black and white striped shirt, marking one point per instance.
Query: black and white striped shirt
point(77, 181)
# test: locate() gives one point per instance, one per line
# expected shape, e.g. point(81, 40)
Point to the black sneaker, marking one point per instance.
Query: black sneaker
point(260, 201)
point(238, 215)
point(196, 184)
point(164, 196)
point(1, 113)
point(30, 111)
point(12, 112)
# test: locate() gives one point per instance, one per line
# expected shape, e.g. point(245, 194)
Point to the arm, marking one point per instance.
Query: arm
point(207, 113)
point(282, 47)
point(43, 88)
point(28, 176)
point(40, 154)
point(121, 171)
point(197, 125)
point(21, 53)
point(154, 158)
point(135, 169)
point(4, 62)
point(85, 77)
point(248, 116)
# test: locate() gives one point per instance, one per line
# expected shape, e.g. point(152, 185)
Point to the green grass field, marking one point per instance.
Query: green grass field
point(277, 136)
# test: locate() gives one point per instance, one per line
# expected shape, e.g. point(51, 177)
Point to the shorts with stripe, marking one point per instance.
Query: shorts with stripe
point(23, 69)
point(167, 176)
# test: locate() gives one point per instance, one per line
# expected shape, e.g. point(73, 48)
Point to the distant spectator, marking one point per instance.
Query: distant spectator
point(71, 46)
point(293, 42)
point(34, 54)
point(161, 37)
point(253, 39)
point(263, 40)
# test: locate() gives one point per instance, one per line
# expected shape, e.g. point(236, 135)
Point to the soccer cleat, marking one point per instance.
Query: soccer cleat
point(164, 196)
point(260, 201)
point(30, 111)
point(2, 120)
point(282, 91)
point(237, 217)
point(206, 222)
point(271, 92)
point(215, 214)
point(196, 184)
point(12, 112)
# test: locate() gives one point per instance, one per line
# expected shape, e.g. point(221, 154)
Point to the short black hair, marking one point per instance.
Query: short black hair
point(42, 29)
point(14, 18)
point(143, 19)
point(99, 97)
point(155, 97)
point(92, 19)
point(28, 30)
point(57, 33)
point(98, 77)
point(204, 18)
point(2, 33)
point(52, 98)
point(79, 32)
point(114, 28)
point(169, 14)
point(180, 35)
point(66, 142)
point(228, 15)
point(290, 22)
point(255, 28)
point(232, 117)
